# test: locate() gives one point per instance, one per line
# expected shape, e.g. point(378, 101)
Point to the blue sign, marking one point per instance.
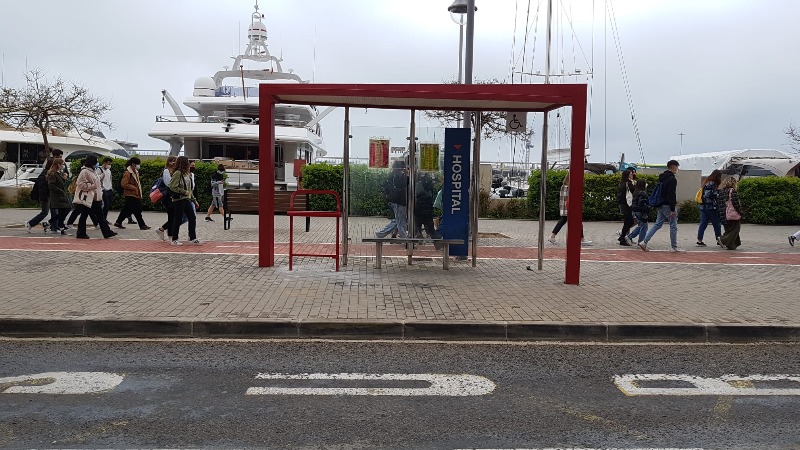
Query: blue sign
point(455, 189)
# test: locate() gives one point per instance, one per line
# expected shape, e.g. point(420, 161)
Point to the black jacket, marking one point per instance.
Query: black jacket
point(622, 192)
point(640, 204)
point(396, 187)
point(669, 184)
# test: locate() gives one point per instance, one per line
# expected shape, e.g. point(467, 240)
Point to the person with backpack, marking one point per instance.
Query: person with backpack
point(664, 199)
point(641, 211)
point(396, 190)
point(708, 207)
point(164, 232)
point(625, 201)
point(59, 200)
point(41, 193)
point(181, 188)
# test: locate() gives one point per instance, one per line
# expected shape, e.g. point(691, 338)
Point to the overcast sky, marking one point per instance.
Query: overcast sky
point(723, 72)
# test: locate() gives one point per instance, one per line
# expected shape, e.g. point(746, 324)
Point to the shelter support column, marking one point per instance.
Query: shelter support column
point(346, 186)
point(266, 180)
point(575, 207)
point(475, 187)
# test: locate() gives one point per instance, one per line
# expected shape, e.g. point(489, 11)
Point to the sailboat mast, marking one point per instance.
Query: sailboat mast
point(543, 166)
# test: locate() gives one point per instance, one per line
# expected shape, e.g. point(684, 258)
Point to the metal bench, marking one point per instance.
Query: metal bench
point(446, 243)
point(245, 201)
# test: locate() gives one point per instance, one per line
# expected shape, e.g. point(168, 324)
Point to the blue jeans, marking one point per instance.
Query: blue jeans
point(641, 229)
point(400, 221)
point(706, 213)
point(663, 216)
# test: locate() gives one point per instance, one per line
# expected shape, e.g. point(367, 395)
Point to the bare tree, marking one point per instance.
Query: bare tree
point(52, 104)
point(794, 136)
point(493, 122)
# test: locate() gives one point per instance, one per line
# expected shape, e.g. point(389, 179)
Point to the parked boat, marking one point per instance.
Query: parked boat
point(743, 163)
point(225, 126)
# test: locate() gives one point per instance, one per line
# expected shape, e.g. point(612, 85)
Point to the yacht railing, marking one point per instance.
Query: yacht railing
point(230, 119)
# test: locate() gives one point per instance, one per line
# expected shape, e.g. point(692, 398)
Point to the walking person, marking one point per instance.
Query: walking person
point(73, 187)
point(183, 201)
point(396, 190)
point(59, 201)
point(563, 201)
point(217, 191)
point(132, 190)
point(730, 212)
point(708, 209)
point(666, 208)
point(43, 195)
point(107, 187)
point(88, 198)
point(641, 211)
point(166, 201)
point(625, 200)
point(423, 207)
point(57, 153)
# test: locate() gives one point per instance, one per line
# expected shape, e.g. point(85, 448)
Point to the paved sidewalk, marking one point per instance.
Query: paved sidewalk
point(136, 285)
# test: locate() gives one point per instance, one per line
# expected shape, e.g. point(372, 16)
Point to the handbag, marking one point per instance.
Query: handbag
point(156, 195)
point(730, 211)
point(84, 198)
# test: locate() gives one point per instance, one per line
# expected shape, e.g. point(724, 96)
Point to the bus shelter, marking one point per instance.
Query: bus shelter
point(415, 97)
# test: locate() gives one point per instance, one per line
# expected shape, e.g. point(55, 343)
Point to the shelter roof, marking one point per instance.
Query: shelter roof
point(457, 97)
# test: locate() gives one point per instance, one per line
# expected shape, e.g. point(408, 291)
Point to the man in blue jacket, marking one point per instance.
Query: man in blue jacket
point(666, 207)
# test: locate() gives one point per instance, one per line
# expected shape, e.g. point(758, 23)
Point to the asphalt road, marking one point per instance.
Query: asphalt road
point(224, 394)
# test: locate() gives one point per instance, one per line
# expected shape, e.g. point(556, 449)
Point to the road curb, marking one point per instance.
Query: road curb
point(397, 330)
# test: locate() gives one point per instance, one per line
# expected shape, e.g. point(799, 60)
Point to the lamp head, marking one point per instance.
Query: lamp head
point(458, 11)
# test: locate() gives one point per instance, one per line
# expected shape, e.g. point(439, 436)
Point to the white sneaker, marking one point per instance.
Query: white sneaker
point(676, 250)
point(643, 246)
point(196, 241)
point(97, 227)
point(28, 227)
point(551, 240)
point(587, 243)
point(160, 234)
point(177, 243)
point(630, 242)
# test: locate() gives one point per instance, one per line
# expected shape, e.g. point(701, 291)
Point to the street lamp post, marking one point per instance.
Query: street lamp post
point(459, 13)
point(681, 134)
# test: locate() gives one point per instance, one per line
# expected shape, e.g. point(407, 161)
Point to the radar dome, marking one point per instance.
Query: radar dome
point(204, 87)
point(257, 32)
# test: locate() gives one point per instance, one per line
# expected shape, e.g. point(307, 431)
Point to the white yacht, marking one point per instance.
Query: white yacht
point(225, 126)
point(22, 152)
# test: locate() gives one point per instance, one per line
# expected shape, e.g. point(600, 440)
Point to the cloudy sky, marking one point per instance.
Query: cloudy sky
point(722, 72)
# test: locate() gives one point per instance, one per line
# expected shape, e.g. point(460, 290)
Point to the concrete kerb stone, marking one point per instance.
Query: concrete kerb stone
point(397, 330)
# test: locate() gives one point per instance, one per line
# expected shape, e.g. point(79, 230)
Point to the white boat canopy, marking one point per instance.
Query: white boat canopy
point(742, 162)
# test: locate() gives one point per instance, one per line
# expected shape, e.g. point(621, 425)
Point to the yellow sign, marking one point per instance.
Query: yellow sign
point(429, 157)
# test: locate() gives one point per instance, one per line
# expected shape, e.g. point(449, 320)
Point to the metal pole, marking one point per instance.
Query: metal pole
point(468, 57)
point(543, 178)
point(412, 173)
point(460, 59)
point(346, 186)
point(475, 197)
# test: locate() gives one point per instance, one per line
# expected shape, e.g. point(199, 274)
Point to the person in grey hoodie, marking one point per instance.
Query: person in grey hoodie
point(666, 207)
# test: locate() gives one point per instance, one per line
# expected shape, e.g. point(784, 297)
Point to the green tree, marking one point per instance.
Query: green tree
point(52, 104)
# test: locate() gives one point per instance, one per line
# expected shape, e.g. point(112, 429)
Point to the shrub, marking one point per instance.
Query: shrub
point(688, 212)
point(24, 199)
point(771, 200)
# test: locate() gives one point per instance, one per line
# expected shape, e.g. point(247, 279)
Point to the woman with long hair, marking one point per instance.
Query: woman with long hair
point(624, 200)
point(166, 201)
point(181, 189)
point(59, 201)
point(89, 191)
point(708, 209)
point(730, 213)
point(563, 199)
point(641, 211)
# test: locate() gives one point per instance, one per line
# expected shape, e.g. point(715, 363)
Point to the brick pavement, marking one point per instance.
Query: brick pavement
point(121, 287)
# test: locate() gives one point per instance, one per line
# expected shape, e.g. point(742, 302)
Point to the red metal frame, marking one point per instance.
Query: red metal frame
point(292, 213)
point(461, 97)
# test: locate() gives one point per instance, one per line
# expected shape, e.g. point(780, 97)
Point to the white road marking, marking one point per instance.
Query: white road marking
point(724, 385)
point(440, 384)
point(61, 383)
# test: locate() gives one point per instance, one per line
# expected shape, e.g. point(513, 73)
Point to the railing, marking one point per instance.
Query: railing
point(230, 119)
